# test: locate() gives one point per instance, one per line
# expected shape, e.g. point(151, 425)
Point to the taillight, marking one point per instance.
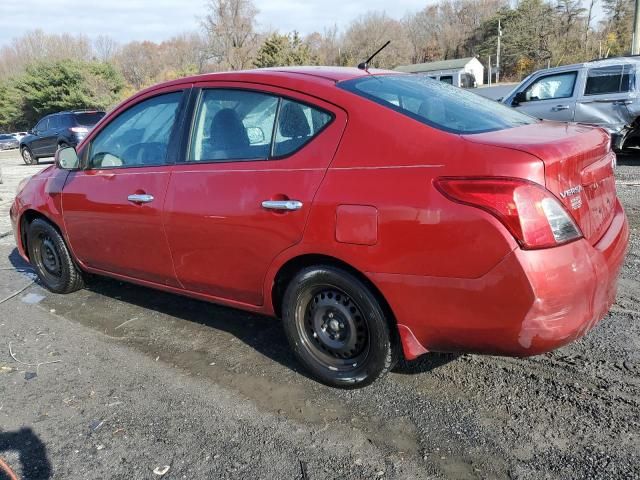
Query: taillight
point(79, 129)
point(531, 213)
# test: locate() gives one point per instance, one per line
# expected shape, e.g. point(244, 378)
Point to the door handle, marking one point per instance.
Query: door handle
point(282, 205)
point(557, 108)
point(140, 198)
point(622, 102)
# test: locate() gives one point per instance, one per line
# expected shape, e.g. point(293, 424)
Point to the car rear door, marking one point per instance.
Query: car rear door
point(551, 96)
point(606, 96)
point(113, 208)
point(242, 193)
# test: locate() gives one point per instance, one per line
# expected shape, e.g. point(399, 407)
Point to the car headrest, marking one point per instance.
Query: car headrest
point(227, 130)
point(293, 122)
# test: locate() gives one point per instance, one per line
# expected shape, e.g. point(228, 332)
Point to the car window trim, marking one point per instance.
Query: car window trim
point(184, 159)
point(171, 149)
point(535, 80)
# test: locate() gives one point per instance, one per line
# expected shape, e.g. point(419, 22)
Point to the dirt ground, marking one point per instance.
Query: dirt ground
point(144, 380)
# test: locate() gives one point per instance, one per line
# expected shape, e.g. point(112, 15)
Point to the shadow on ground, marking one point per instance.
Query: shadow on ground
point(262, 333)
point(32, 453)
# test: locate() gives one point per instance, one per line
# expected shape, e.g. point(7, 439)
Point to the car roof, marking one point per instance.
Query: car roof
point(603, 62)
point(312, 74)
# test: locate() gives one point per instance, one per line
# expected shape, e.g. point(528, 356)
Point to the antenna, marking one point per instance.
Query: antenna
point(365, 65)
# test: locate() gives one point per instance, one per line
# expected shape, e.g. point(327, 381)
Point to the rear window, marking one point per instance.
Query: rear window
point(88, 119)
point(610, 79)
point(437, 104)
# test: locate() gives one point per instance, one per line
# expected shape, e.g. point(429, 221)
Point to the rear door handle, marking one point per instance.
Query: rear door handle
point(282, 205)
point(557, 108)
point(140, 198)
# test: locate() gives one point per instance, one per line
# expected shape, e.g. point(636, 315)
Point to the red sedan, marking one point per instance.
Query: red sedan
point(378, 214)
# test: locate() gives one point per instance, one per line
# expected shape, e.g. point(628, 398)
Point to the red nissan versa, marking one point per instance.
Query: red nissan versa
point(377, 213)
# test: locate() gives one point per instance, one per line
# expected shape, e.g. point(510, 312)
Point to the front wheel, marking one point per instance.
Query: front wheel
point(337, 328)
point(51, 258)
point(28, 157)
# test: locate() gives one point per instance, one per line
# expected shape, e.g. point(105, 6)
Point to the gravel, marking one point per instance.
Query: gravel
point(148, 380)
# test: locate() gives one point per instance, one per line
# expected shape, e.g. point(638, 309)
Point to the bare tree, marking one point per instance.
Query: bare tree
point(368, 33)
point(325, 47)
point(230, 30)
point(105, 48)
point(37, 45)
point(140, 63)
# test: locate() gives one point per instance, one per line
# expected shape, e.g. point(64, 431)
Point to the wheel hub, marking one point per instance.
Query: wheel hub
point(335, 325)
point(49, 256)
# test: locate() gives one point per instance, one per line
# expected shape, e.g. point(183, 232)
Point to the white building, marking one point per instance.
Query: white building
point(461, 72)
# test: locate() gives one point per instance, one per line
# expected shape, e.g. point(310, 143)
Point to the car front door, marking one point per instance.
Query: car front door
point(50, 137)
point(113, 207)
point(551, 96)
point(37, 145)
point(606, 96)
point(243, 192)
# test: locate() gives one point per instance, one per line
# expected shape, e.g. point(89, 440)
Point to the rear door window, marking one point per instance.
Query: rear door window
point(297, 124)
point(233, 125)
point(448, 79)
point(437, 104)
point(610, 79)
point(241, 125)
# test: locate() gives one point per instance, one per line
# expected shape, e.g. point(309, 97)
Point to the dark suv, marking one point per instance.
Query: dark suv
point(55, 131)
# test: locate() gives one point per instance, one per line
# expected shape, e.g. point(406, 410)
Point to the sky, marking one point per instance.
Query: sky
point(158, 20)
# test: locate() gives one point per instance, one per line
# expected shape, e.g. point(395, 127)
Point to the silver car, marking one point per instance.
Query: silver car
point(602, 92)
point(8, 142)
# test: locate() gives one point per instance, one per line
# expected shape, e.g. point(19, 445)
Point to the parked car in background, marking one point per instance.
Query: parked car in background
point(605, 93)
point(379, 214)
point(19, 135)
point(8, 142)
point(64, 129)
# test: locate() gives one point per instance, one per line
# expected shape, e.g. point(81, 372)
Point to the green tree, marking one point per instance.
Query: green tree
point(48, 87)
point(618, 25)
point(284, 50)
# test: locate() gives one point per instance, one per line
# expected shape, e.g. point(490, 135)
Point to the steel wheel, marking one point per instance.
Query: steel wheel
point(51, 258)
point(334, 329)
point(337, 327)
point(48, 256)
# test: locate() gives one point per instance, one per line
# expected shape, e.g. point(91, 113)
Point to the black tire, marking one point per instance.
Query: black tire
point(27, 156)
point(337, 328)
point(51, 258)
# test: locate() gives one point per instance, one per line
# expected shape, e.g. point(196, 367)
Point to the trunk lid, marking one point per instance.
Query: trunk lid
point(578, 165)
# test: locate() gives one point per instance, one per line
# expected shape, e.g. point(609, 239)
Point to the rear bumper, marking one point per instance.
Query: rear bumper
point(532, 302)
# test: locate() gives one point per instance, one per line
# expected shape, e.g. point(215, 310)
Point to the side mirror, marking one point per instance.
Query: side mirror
point(67, 159)
point(256, 135)
point(521, 97)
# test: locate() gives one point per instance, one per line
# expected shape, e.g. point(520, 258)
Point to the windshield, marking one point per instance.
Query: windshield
point(437, 104)
point(88, 119)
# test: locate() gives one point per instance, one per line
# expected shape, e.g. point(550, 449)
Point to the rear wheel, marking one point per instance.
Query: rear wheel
point(28, 157)
point(51, 258)
point(337, 328)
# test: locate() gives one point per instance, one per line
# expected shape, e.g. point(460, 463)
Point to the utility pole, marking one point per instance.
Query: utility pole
point(489, 76)
point(498, 52)
point(635, 46)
